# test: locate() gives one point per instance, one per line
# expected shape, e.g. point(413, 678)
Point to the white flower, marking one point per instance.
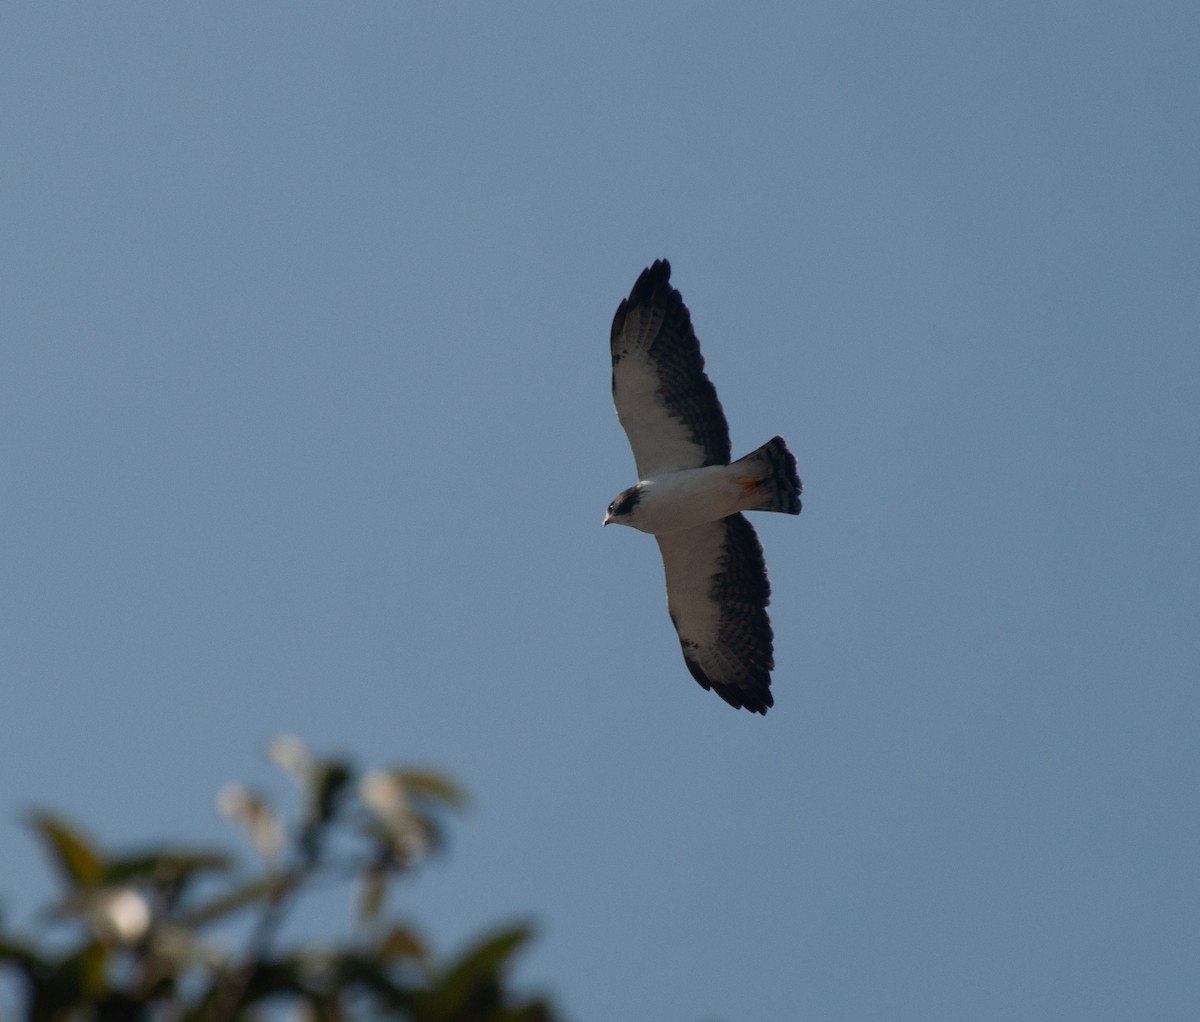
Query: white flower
point(383, 793)
point(254, 815)
point(290, 754)
point(120, 914)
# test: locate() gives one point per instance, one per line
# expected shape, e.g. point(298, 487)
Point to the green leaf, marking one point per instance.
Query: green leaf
point(63, 990)
point(472, 987)
point(369, 974)
point(489, 955)
point(166, 865)
point(240, 898)
point(374, 888)
point(90, 962)
point(76, 859)
point(432, 785)
point(257, 980)
point(400, 944)
point(20, 954)
point(282, 976)
point(331, 779)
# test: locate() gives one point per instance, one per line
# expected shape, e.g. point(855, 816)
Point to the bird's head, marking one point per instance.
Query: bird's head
point(621, 511)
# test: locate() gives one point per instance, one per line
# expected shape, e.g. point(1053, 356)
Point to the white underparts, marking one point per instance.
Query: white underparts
point(682, 500)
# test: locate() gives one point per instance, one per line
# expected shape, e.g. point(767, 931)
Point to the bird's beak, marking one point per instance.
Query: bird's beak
point(606, 518)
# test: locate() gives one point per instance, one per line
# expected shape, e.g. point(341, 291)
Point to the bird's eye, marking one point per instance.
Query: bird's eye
point(611, 506)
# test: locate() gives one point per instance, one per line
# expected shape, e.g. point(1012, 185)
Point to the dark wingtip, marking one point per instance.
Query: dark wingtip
point(755, 696)
point(656, 274)
point(659, 269)
point(756, 699)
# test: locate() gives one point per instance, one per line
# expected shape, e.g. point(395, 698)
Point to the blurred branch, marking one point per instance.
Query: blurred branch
point(148, 926)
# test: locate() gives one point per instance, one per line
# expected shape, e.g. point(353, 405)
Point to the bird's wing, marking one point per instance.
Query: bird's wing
point(667, 406)
point(717, 595)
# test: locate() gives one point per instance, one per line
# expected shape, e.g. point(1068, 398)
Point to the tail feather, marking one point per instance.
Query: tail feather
point(772, 482)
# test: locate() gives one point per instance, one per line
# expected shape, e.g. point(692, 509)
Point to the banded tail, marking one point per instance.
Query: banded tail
point(770, 478)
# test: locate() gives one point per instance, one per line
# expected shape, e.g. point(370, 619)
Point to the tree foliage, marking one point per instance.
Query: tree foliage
point(149, 934)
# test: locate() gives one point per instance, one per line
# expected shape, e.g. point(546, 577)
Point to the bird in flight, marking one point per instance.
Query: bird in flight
point(690, 497)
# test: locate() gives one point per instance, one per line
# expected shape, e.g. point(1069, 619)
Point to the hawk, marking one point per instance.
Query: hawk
point(690, 497)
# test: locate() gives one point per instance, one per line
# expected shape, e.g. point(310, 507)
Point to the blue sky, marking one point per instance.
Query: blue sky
point(305, 426)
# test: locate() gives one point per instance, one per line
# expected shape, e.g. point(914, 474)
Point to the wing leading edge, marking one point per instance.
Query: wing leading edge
point(666, 404)
point(717, 595)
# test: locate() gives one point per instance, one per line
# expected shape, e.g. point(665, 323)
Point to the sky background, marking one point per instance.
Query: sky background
point(305, 426)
